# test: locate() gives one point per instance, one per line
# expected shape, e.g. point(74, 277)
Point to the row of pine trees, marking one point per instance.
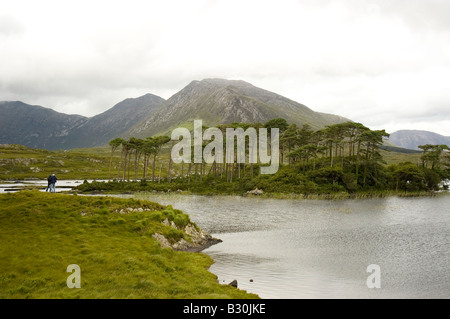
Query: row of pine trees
point(350, 146)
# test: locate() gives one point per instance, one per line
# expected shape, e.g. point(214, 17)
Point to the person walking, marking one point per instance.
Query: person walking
point(52, 181)
point(48, 183)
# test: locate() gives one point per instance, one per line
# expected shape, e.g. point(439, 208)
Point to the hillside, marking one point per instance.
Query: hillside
point(36, 126)
point(102, 128)
point(39, 127)
point(218, 101)
point(411, 139)
point(20, 162)
point(215, 101)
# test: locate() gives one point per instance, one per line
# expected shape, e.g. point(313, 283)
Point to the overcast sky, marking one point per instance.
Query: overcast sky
point(384, 63)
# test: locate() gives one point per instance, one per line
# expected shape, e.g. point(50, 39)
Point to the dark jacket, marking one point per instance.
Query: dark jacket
point(52, 179)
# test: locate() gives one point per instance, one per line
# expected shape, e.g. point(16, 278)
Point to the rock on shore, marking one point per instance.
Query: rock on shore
point(199, 239)
point(256, 191)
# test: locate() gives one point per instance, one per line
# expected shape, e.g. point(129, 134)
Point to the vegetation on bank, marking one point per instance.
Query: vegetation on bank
point(344, 158)
point(286, 183)
point(42, 233)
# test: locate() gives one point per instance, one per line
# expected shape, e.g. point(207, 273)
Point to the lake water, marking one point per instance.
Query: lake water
point(318, 248)
point(61, 185)
point(321, 249)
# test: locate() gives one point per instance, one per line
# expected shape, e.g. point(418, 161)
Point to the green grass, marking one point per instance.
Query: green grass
point(41, 234)
point(20, 162)
point(392, 157)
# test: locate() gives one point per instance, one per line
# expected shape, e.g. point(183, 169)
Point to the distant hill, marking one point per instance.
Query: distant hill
point(218, 101)
point(38, 127)
point(411, 139)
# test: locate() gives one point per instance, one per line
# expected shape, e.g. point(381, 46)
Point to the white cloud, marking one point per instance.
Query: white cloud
point(375, 62)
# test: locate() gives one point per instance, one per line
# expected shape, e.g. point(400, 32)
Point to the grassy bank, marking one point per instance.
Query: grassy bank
point(284, 189)
point(20, 162)
point(41, 234)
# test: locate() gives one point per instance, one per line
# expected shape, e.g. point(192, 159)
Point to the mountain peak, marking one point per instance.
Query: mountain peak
point(224, 82)
point(220, 101)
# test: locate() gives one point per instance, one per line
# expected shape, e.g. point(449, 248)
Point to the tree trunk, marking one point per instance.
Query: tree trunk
point(110, 162)
point(189, 173)
point(136, 165)
point(144, 175)
point(331, 154)
point(169, 175)
point(125, 162)
point(119, 166)
point(153, 167)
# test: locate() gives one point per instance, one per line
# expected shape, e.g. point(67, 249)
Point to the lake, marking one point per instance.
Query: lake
point(280, 248)
point(321, 249)
point(61, 185)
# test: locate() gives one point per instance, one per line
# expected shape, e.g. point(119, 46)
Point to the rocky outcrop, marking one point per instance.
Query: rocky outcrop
point(256, 191)
point(234, 283)
point(198, 238)
point(162, 240)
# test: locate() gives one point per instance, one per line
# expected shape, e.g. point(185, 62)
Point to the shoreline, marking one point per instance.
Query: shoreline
point(201, 247)
point(297, 196)
point(336, 196)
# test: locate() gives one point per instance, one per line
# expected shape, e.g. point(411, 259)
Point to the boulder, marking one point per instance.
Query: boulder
point(162, 240)
point(256, 191)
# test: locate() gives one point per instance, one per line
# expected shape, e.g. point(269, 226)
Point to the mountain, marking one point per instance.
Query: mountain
point(116, 121)
point(411, 139)
point(38, 127)
point(218, 101)
point(215, 101)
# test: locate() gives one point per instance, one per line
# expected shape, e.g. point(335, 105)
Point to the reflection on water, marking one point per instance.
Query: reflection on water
point(321, 249)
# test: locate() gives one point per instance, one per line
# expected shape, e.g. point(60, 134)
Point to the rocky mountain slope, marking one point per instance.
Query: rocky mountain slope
point(218, 101)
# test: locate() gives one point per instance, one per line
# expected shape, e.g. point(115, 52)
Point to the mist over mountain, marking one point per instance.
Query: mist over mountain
point(215, 101)
point(218, 101)
point(411, 139)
